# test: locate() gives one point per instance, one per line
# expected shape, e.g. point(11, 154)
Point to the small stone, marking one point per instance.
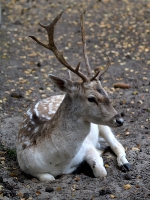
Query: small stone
point(17, 22)
point(1, 179)
point(39, 64)
point(26, 195)
point(16, 95)
point(8, 186)
point(122, 114)
point(104, 192)
point(49, 189)
point(127, 177)
point(128, 56)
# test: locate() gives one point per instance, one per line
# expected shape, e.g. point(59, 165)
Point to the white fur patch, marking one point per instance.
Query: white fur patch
point(36, 109)
point(29, 113)
point(36, 129)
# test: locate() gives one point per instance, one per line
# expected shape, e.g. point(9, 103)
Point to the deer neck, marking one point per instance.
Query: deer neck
point(68, 126)
point(69, 119)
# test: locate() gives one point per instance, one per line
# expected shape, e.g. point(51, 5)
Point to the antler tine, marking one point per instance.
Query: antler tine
point(84, 45)
point(51, 46)
point(98, 74)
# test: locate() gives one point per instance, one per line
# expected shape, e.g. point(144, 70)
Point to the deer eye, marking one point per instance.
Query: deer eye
point(92, 99)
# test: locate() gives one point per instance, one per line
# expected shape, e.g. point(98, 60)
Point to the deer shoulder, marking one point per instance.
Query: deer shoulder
point(36, 117)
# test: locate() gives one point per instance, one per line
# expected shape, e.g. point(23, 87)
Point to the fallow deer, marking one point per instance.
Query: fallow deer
point(62, 131)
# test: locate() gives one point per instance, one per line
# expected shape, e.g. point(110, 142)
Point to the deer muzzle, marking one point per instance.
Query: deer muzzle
point(116, 121)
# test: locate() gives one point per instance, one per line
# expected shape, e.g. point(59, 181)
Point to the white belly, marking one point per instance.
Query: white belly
point(91, 140)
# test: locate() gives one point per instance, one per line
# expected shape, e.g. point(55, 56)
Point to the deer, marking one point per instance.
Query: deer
point(60, 132)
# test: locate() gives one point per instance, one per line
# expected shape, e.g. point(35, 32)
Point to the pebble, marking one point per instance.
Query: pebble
point(127, 177)
point(16, 95)
point(49, 189)
point(39, 64)
point(26, 195)
point(104, 192)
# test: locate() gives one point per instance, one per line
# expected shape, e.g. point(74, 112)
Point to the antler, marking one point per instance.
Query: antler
point(84, 45)
point(99, 74)
point(59, 54)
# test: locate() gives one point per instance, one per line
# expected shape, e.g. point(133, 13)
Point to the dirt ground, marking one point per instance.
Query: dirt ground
point(119, 29)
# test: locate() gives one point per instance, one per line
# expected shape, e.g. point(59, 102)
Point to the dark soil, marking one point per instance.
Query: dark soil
point(119, 29)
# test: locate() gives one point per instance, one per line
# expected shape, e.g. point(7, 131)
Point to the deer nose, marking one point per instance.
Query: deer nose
point(119, 121)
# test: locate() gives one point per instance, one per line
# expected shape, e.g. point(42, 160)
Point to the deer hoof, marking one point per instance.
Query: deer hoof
point(126, 167)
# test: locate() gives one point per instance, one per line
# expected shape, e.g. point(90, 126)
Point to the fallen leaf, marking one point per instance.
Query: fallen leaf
point(32, 54)
point(135, 149)
point(121, 85)
point(2, 158)
point(144, 78)
point(59, 188)
point(2, 162)
point(12, 174)
point(135, 92)
point(127, 186)
point(106, 165)
point(112, 196)
point(38, 192)
point(77, 178)
point(20, 194)
point(139, 101)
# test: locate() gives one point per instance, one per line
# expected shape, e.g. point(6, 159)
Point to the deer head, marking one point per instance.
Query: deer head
point(89, 98)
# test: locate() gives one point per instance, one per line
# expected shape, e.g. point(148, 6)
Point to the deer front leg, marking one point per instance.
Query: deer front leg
point(95, 161)
point(117, 148)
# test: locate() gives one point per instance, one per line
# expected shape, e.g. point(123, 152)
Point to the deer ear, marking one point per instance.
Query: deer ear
point(63, 84)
